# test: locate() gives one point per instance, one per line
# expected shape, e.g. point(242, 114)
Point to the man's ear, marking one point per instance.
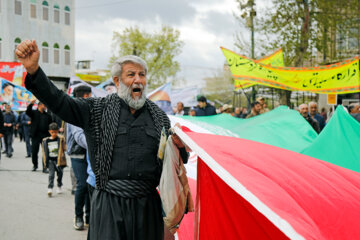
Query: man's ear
point(116, 81)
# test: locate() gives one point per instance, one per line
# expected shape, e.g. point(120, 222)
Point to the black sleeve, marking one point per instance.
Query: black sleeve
point(71, 110)
point(184, 155)
point(29, 110)
point(1, 123)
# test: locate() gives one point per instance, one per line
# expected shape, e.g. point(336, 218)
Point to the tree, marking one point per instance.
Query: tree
point(157, 49)
point(300, 27)
point(220, 87)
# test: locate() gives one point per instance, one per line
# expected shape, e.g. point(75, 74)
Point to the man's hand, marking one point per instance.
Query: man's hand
point(28, 54)
point(1, 135)
point(33, 101)
point(176, 139)
point(28, 122)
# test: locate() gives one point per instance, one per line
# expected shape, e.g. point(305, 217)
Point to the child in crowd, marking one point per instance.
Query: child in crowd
point(54, 148)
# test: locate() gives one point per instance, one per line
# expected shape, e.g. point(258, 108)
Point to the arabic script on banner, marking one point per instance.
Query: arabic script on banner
point(337, 78)
point(276, 59)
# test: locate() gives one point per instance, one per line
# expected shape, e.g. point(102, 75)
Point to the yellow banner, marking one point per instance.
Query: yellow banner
point(276, 59)
point(90, 78)
point(336, 78)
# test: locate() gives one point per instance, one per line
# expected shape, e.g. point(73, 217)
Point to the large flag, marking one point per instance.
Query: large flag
point(275, 127)
point(337, 78)
point(251, 190)
point(13, 72)
point(338, 142)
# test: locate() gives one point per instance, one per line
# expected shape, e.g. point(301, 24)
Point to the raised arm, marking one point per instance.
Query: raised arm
point(74, 111)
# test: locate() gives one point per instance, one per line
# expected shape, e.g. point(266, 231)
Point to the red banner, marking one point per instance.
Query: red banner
point(13, 72)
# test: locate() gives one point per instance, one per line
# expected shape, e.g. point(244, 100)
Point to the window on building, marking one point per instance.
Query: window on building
point(67, 15)
point(33, 8)
point(56, 54)
point(17, 42)
point(56, 13)
point(67, 55)
point(45, 52)
point(45, 10)
point(18, 10)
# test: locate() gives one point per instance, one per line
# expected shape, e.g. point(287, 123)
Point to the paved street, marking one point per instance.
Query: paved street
point(26, 210)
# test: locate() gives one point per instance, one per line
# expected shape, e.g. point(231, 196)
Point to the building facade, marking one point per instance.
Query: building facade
point(51, 24)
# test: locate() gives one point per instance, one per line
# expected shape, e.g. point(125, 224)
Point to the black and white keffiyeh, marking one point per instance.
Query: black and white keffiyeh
point(104, 119)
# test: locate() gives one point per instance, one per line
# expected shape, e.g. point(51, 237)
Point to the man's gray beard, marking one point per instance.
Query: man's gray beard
point(125, 93)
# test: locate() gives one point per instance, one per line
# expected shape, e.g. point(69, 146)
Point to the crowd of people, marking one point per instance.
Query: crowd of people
point(113, 144)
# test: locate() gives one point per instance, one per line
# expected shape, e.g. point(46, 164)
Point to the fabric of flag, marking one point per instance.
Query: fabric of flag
point(251, 190)
point(276, 127)
point(338, 142)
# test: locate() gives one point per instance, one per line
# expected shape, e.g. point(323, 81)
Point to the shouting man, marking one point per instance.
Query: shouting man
point(123, 132)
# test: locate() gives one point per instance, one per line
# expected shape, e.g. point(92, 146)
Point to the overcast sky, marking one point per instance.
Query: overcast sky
point(204, 26)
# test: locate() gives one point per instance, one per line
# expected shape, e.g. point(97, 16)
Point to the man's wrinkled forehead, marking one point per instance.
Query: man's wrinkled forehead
point(133, 67)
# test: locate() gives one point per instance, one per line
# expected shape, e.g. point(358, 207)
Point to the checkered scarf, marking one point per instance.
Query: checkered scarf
point(104, 119)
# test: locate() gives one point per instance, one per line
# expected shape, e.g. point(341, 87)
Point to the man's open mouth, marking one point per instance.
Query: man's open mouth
point(136, 89)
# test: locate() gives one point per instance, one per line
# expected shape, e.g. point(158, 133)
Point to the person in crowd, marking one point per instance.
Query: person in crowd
point(204, 108)
point(324, 114)
point(179, 110)
point(227, 109)
point(40, 121)
point(58, 121)
point(77, 155)
point(354, 108)
point(329, 114)
point(19, 128)
point(123, 133)
point(244, 112)
point(263, 109)
point(192, 112)
point(237, 112)
point(255, 110)
point(110, 88)
point(53, 149)
point(9, 124)
point(3, 106)
point(313, 112)
point(24, 122)
point(2, 128)
point(79, 137)
point(304, 111)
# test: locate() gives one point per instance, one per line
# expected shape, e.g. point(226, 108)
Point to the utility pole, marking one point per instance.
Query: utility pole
point(248, 10)
point(252, 15)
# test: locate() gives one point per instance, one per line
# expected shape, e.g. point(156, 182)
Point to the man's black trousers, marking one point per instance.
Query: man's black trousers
point(35, 145)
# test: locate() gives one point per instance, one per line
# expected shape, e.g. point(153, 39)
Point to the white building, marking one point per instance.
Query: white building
point(51, 24)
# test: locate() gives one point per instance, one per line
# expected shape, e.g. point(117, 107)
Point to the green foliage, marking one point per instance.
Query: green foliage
point(157, 49)
point(220, 87)
point(305, 28)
